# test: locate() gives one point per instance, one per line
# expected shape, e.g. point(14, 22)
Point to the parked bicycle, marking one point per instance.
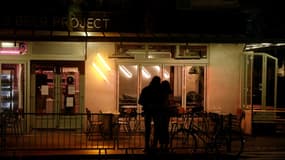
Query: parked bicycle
point(228, 134)
point(208, 132)
point(187, 128)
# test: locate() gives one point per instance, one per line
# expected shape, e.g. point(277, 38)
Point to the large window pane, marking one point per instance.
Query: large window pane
point(148, 72)
point(70, 90)
point(176, 74)
point(12, 87)
point(183, 80)
point(45, 90)
point(194, 85)
point(257, 77)
point(128, 83)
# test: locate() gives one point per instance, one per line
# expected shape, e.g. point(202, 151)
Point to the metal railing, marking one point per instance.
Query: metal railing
point(55, 131)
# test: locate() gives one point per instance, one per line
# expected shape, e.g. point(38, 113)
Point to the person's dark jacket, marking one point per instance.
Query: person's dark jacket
point(150, 98)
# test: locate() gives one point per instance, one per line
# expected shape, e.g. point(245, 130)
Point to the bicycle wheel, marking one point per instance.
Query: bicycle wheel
point(200, 129)
point(236, 143)
point(230, 139)
point(183, 139)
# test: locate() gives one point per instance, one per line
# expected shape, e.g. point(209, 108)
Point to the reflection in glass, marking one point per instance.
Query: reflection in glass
point(145, 73)
point(257, 83)
point(184, 80)
point(125, 71)
point(264, 80)
point(12, 84)
point(270, 81)
point(44, 90)
point(194, 85)
point(128, 82)
point(149, 71)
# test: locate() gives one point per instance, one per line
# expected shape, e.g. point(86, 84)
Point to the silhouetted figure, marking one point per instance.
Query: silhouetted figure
point(164, 116)
point(150, 99)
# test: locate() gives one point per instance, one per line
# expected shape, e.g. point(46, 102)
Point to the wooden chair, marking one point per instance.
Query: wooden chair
point(94, 124)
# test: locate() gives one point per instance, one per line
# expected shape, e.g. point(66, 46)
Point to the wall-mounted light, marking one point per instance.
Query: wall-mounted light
point(125, 71)
point(7, 44)
point(145, 73)
point(103, 62)
point(99, 71)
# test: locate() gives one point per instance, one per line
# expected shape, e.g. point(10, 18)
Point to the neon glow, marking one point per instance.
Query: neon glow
point(125, 71)
point(145, 73)
point(7, 44)
point(99, 71)
point(166, 74)
point(103, 62)
point(157, 68)
point(9, 51)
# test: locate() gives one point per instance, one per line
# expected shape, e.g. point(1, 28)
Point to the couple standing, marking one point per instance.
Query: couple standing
point(155, 101)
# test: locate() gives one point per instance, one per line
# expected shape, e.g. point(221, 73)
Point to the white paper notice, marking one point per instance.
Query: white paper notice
point(69, 102)
point(44, 89)
point(71, 90)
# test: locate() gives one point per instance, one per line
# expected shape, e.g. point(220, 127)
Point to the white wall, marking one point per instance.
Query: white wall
point(100, 93)
point(224, 87)
point(56, 50)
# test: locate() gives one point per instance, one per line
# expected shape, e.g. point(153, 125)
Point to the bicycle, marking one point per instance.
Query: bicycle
point(189, 128)
point(212, 132)
point(228, 134)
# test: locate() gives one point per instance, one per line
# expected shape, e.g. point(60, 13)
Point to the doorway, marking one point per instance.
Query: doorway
point(56, 93)
point(260, 81)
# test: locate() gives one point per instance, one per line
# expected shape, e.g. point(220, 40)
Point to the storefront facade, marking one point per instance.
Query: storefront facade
point(76, 64)
point(63, 77)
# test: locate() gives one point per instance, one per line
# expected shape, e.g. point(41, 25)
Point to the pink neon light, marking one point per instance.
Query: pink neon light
point(9, 51)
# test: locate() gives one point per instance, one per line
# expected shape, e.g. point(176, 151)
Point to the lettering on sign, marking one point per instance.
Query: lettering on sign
point(89, 23)
point(92, 23)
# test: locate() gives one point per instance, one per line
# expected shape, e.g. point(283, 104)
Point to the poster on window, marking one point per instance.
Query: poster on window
point(70, 89)
point(69, 101)
point(44, 90)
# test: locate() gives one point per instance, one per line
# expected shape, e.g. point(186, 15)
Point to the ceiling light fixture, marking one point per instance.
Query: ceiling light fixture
point(121, 54)
point(125, 71)
point(145, 73)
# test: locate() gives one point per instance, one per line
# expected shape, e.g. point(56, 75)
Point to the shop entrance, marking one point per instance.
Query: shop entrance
point(56, 96)
point(260, 93)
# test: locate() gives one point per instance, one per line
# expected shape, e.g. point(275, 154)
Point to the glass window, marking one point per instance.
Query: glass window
point(176, 80)
point(257, 84)
point(45, 90)
point(12, 87)
point(56, 87)
point(128, 82)
point(192, 77)
point(70, 90)
point(148, 72)
point(194, 83)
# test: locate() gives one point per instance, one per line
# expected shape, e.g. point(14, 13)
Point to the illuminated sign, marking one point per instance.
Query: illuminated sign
point(21, 49)
point(89, 23)
point(76, 23)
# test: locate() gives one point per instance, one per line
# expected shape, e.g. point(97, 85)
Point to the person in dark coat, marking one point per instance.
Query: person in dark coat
point(164, 116)
point(150, 99)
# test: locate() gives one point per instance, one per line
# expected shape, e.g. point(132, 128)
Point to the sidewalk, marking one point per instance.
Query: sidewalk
point(266, 147)
point(256, 147)
point(265, 143)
